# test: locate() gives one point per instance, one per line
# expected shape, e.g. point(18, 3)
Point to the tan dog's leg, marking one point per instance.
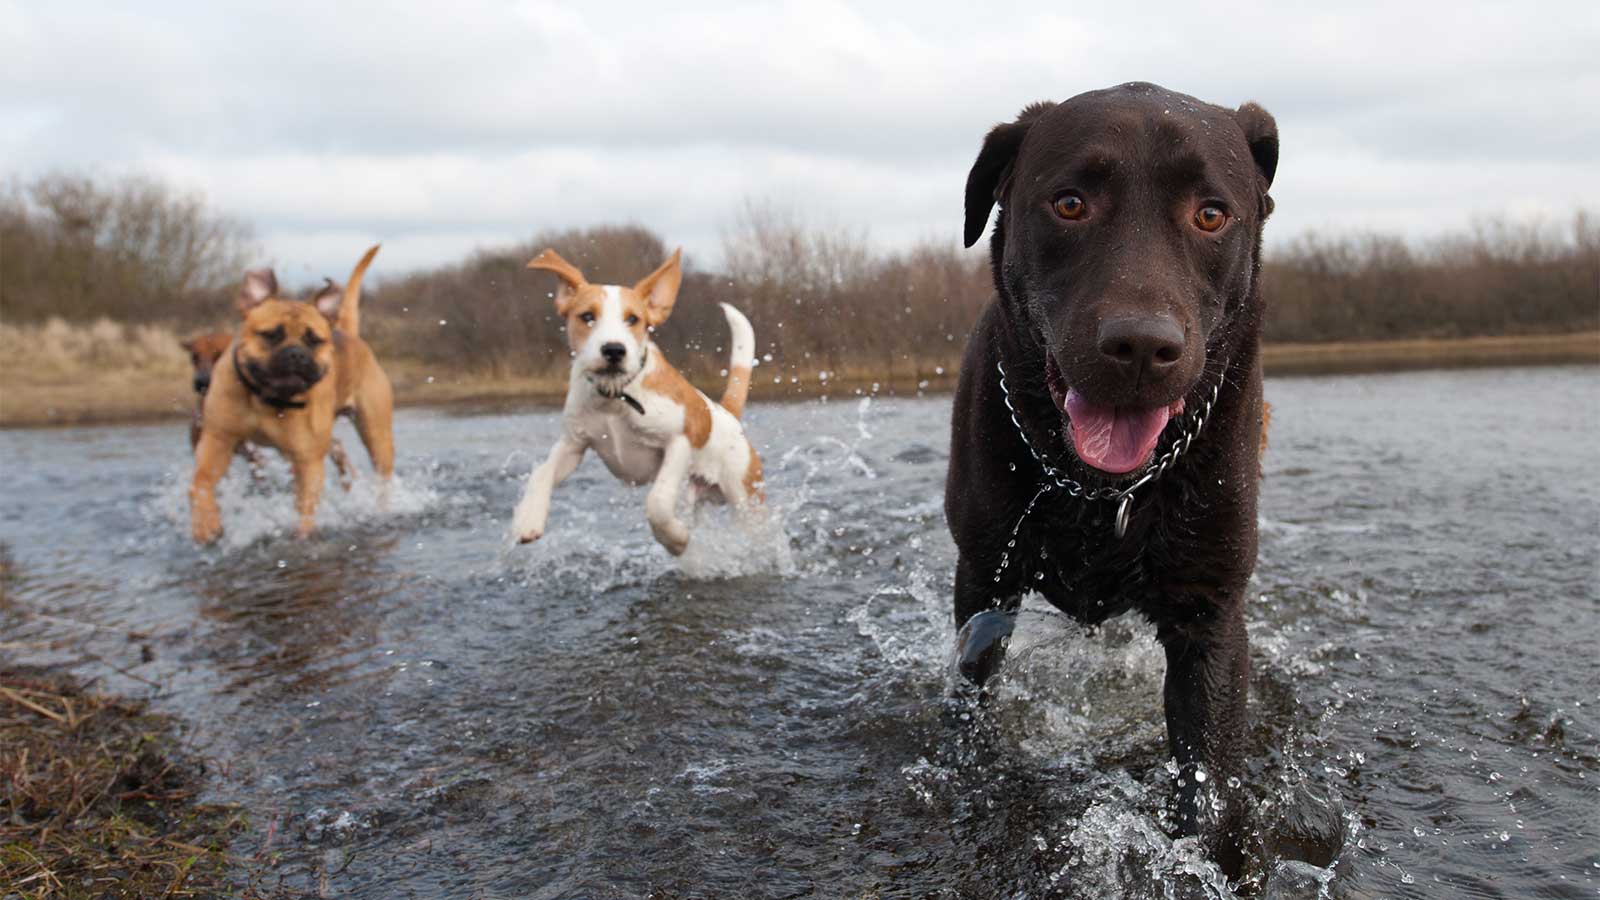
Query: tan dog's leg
point(211, 458)
point(341, 461)
point(308, 475)
point(533, 511)
point(660, 505)
point(374, 417)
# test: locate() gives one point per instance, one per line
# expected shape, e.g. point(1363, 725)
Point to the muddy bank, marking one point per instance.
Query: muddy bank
point(98, 799)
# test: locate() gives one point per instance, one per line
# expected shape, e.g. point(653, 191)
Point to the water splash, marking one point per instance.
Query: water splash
point(258, 507)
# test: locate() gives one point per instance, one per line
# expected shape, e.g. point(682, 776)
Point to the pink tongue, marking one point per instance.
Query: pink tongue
point(1114, 439)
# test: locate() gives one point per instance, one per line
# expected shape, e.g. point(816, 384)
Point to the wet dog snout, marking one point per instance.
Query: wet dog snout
point(293, 359)
point(1150, 345)
point(202, 382)
point(614, 353)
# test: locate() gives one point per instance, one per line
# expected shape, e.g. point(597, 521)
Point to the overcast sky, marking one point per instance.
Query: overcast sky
point(443, 127)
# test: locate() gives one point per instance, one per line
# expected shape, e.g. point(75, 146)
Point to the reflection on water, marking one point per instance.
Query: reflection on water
point(411, 704)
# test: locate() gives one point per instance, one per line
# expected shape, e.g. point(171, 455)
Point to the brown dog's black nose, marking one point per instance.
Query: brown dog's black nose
point(202, 383)
point(613, 352)
point(1144, 344)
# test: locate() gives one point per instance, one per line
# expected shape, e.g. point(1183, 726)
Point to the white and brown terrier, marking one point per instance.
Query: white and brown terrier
point(644, 420)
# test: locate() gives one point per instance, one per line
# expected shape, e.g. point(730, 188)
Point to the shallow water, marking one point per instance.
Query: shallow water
point(407, 705)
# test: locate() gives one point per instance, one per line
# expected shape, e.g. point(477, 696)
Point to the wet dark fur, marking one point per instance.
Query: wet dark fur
point(1191, 544)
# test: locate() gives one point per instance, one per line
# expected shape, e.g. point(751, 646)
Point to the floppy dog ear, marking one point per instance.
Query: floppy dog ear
point(1261, 134)
point(571, 278)
point(660, 289)
point(327, 300)
point(991, 173)
point(259, 285)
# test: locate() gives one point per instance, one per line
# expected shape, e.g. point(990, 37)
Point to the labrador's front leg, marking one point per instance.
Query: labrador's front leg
point(1207, 684)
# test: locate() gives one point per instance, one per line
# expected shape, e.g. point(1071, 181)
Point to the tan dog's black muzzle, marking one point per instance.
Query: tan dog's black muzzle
point(290, 372)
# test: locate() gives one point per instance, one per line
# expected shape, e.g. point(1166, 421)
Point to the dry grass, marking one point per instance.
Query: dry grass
point(57, 351)
point(98, 800)
point(61, 374)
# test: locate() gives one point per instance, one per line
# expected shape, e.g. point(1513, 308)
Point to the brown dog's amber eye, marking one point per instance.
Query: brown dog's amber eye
point(1210, 218)
point(273, 336)
point(313, 339)
point(1070, 206)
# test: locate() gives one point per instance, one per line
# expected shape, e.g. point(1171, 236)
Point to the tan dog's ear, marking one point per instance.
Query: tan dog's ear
point(327, 300)
point(660, 289)
point(571, 279)
point(259, 285)
point(187, 344)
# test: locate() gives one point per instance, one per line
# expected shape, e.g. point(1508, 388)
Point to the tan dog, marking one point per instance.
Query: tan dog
point(204, 350)
point(644, 420)
point(292, 367)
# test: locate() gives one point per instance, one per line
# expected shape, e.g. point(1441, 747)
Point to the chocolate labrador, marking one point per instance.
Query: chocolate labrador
point(1105, 442)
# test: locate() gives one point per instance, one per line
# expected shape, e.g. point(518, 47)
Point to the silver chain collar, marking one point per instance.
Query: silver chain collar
point(1055, 479)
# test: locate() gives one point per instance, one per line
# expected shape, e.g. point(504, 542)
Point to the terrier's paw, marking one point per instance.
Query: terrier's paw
point(527, 525)
point(674, 536)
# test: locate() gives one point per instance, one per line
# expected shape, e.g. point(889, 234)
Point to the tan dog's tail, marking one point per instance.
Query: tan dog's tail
point(741, 359)
point(349, 320)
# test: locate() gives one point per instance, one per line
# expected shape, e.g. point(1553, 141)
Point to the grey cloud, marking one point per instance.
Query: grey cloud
point(442, 126)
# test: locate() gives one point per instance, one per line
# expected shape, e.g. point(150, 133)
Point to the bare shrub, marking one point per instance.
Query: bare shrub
point(132, 250)
point(1495, 279)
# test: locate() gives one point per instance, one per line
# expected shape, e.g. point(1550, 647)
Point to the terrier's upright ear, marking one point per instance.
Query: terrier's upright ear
point(571, 279)
point(259, 285)
point(1261, 135)
point(990, 177)
point(660, 289)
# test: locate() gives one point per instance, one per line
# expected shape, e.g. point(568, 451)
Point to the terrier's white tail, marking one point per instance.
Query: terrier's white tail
point(741, 359)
